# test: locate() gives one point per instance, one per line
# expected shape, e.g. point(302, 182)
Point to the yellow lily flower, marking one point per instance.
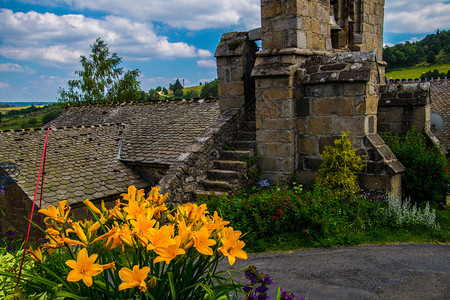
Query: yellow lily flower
point(92, 206)
point(160, 237)
point(134, 209)
point(202, 241)
point(84, 268)
point(133, 194)
point(133, 278)
point(58, 214)
point(36, 254)
point(231, 246)
point(169, 251)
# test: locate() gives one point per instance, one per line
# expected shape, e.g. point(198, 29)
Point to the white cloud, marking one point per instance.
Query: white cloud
point(416, 16)
point(11, 67)
point(204, 53)
point(4, 85)
point(191, 14)
point(210, 63)
point(48, 38)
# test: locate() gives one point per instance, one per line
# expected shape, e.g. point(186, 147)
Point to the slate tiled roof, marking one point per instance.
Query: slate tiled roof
point(156, 132)
point(440, 103)
point(80, 164)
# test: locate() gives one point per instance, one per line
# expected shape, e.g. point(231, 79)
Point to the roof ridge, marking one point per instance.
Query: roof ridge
point(151, 102)
point(63, 127)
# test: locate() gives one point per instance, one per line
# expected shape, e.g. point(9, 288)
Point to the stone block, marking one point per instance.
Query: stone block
point(286, 165)
point(286, 136)
point(332, 90)
point(275, 94)
point(267, 110)
point(236, 88)
point(301, 126)
point(266, 136)
point(272, 9)
point(268, 164)
point(331, 106)
point(351, 76)
point(226, 103)
point(280, 150)
point(237, 74)
point(307, 145)
point(354, 89)
point(279, 124)
point(354, 124)
point(319, 126)
point(222, 89)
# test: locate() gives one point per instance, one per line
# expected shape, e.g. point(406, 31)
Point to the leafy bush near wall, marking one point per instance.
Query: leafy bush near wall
point(340, 167)
point(425, 177)
point(318, 217)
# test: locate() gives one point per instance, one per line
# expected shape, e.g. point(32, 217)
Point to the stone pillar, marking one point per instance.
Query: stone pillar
point(275, 114)
point(295, 24)
point(235, 56)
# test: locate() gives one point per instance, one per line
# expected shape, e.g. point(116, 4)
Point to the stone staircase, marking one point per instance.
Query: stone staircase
point(231, 170)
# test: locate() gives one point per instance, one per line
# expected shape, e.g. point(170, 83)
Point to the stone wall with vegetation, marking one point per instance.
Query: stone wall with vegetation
point(183, 176)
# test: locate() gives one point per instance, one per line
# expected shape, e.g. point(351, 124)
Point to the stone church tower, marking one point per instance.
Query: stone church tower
point(318, 74)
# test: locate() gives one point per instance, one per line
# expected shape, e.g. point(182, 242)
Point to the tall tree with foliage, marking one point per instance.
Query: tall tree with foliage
point(210, 89)
point(101, 80)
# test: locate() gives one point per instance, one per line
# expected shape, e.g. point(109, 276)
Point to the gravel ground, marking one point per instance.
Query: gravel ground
point(399, 271)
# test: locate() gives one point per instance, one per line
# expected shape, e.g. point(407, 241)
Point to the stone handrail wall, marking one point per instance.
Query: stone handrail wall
point(183, 177)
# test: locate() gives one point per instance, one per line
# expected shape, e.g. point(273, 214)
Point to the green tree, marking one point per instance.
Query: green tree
point(101, 80)
point(431, 58)
point(210, 89)
point(158, 88)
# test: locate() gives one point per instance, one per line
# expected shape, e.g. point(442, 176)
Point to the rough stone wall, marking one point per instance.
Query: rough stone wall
point(15, 210)
point(339, 93)
point(295, 24)
point(235, 59)
point(183, 177)
point(404, 106)
point(439, 103)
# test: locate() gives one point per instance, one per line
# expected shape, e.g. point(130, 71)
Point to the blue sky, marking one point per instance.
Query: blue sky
point(41, 40)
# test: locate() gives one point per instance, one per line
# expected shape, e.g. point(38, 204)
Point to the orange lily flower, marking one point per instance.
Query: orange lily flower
point(202, 241)
point(58, 214)
point(133, 278)
point(169, 251)
point(84, 268)
point(160, 237)
point(231, 246)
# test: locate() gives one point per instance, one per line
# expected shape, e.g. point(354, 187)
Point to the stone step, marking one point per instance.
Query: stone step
point(216, 185)
point(246, 136)
point(234, 165)
point(243, 145)
point(237, 154)
point(199, 193)
point(225, 175)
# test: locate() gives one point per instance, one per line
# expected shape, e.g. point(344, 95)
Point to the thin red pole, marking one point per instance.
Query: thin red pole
point(32, 208)
point(40, 201)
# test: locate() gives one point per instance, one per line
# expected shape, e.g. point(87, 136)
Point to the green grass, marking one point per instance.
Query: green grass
point(21, 121)
point(415, 72)
point(197, 88)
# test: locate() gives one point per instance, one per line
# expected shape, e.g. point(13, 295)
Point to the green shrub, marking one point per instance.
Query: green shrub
point(404, 214)
point(425, 177)
point(33, 121)
point(50, 116)
point(340, 167)
point(318, 217)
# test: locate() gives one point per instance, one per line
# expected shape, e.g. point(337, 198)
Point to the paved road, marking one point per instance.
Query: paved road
point(400, 271)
